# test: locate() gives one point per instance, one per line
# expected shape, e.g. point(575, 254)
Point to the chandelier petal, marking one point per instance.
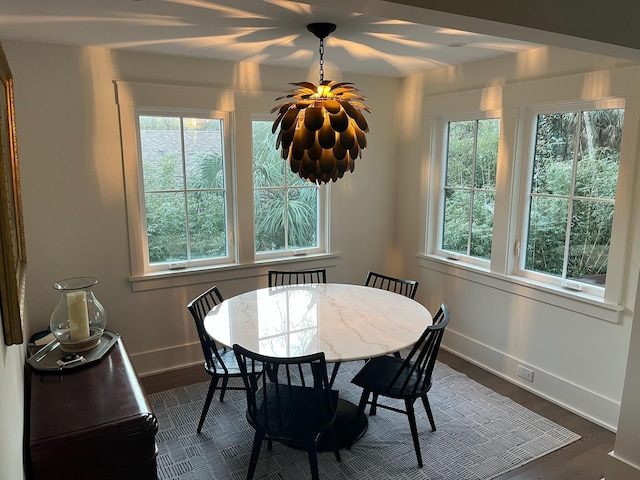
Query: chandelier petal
point(362, 139)
point(315, 152)
point(314, 118)
point(348, 138)
point(287, 137)
point(332, 106)
point(289, 118)
point(327, 162)
point(326, 135)
point(339, 121)
point(339, 151)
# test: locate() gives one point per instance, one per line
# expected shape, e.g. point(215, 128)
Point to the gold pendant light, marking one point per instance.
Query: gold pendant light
point(323, 131)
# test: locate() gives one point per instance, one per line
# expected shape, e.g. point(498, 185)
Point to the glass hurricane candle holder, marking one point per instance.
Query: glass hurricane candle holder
point(79, 319)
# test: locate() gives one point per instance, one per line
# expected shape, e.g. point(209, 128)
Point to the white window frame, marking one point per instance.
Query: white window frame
point(441, 146)
point(513, 101)
point(521, 228)
point(322, 213)
point(240, 106)
point(225, 118)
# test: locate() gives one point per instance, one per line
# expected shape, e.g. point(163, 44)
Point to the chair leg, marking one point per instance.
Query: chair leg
point(223, 389)
point(414, 429)
point(313, 460)
point(334, 372)
point(207, 402)
point(255, 452)
point(374, 404)
point(334, 438)
point(427, 407)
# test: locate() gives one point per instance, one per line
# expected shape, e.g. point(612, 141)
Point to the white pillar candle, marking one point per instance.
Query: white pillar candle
point(78, 316)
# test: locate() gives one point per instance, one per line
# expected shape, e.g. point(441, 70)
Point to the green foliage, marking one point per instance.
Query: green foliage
point(166, 227)
point(185, 220)
point(167, 221)
point(470, 185)
point(574, 181)
point(286, 207)
point(592, 173)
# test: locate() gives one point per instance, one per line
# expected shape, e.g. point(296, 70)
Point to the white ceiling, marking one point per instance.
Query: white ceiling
point(270, 32)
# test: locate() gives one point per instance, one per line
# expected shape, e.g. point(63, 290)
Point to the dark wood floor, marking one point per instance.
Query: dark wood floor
point(584, 459)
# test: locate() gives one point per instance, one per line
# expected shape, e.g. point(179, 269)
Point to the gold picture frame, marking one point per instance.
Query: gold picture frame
point(13, 259)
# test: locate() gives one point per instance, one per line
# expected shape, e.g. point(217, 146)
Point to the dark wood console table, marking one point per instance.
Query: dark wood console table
point(91, 422)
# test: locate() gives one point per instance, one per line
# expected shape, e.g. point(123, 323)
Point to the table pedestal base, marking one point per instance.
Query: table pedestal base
point(348, 431)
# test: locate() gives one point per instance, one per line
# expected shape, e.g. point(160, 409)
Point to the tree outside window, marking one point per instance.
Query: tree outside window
point(469, 190)
point(572, 197)
point(285, 206)
point(184, 188)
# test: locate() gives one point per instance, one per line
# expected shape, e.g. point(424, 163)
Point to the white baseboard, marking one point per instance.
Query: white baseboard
point(619, 469)
point(167, 359)
point(579, 400)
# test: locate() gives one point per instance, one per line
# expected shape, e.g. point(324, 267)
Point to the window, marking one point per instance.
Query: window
point(207, 193)
point(572, 182)
point(556, 198)
point(471, 154)
point(184, 184)
point(286, 207)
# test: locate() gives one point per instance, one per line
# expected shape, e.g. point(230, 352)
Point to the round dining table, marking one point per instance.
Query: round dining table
point(346, 322)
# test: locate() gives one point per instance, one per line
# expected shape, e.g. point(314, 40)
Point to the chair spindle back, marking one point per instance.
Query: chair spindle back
point(407, 288)
point(295, 277)
point(199, 307)
point(419, 363)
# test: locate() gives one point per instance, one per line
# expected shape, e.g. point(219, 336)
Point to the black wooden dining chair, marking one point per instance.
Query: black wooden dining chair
point(219, 362)
point(407, 379)
point(294, 277)
point(407, 288)
point(291, 403)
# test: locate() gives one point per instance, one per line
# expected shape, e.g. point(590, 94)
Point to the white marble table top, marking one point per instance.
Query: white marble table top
point(346, 322)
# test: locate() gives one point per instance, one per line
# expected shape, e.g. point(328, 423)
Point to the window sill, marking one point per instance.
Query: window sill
point(217, 273)
point(573, 301)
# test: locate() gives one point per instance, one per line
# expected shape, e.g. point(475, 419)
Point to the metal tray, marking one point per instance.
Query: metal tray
point(45, 359)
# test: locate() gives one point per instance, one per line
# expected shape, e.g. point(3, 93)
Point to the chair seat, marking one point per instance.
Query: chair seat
point(378, 374)
point(299, 411)
point(230, 362)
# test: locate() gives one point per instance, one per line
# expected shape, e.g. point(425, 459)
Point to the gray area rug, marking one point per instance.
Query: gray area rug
point(479, 436)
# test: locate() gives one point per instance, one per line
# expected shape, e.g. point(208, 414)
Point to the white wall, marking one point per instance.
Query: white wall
point(624, 461)
point(73, 193)
point(11, 408)
point(579, 360)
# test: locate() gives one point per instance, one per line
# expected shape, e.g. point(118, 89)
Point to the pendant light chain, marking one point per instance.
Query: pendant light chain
point(321, 50)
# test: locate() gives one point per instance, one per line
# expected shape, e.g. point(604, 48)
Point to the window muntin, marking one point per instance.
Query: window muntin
point(469, 187)
point(572, 184)
point(184, 188)
point(286, 208)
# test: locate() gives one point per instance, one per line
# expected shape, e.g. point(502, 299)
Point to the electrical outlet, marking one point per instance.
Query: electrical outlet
point(525, 373)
